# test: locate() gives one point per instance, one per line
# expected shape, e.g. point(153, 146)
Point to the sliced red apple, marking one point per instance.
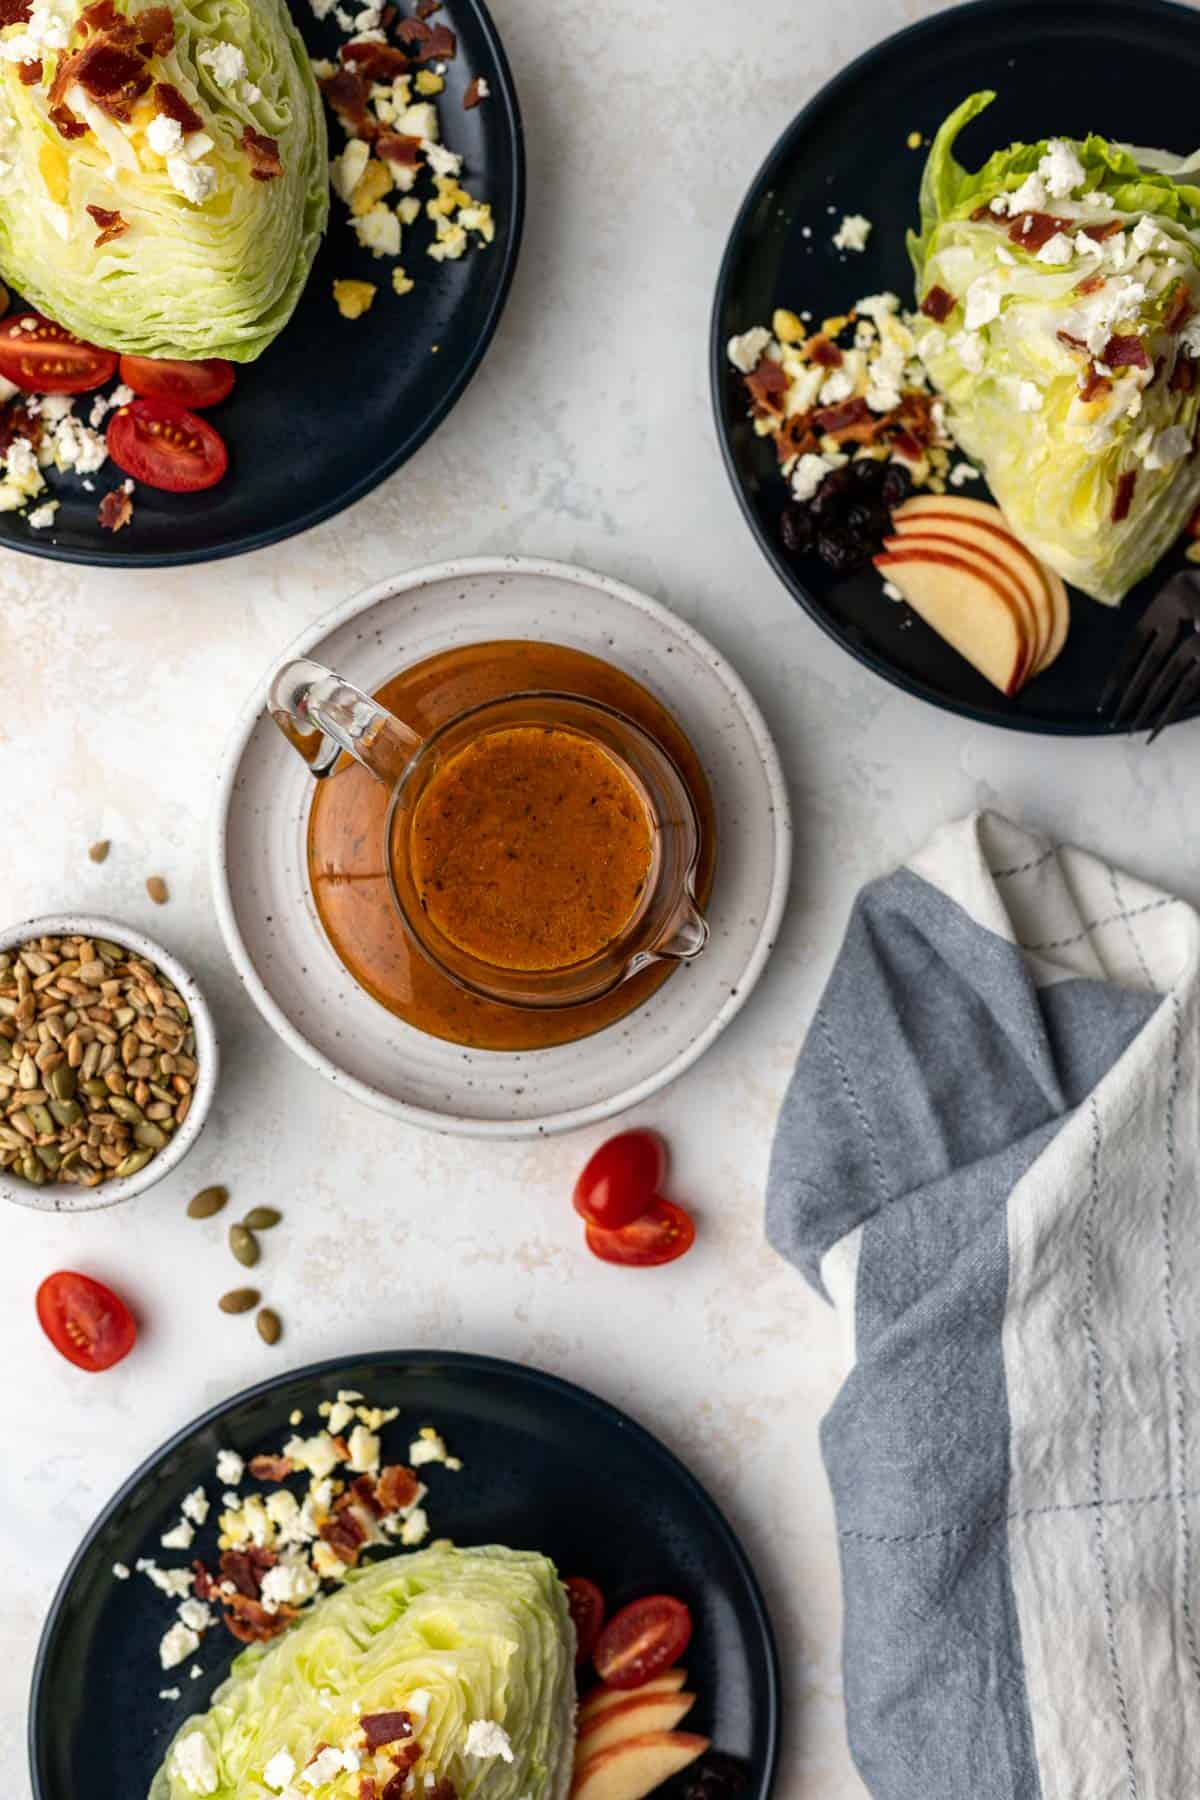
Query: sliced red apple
point(600, 1698)
point(990, 569)
point(964, 603)
point(636, 1766)
point(1049, 594)
point(1001, 547)
point(636, 1715)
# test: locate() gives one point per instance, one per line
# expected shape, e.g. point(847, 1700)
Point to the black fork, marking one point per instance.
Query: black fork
point(1158, 675)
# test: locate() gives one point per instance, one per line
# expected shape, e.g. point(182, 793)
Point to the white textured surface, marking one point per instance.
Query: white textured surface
point(586, 437)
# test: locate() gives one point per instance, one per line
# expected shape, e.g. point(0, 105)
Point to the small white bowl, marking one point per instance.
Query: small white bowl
point(65, 1196)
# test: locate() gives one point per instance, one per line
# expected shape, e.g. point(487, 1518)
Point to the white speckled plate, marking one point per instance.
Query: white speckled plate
point(300, 987)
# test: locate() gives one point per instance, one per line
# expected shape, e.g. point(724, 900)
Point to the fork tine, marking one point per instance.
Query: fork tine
point(1185, 693)
point(1142, 641)
point(1155, 699)
point(1152, 665)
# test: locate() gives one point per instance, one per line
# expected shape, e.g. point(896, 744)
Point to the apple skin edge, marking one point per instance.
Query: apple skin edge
point(633, 1768)
point(898, 560)
point(990, 569)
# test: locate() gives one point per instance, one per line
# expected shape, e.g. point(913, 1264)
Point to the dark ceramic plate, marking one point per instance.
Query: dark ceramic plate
point(547, 1467)
point(335, 405)
point(1127, 68)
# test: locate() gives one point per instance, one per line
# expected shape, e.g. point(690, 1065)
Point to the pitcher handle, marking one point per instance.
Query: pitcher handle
point(321, 715)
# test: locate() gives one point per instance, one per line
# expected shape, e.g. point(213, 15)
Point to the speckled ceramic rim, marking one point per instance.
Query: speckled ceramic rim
point(468, 1365)
point(63, 1196)
point(574, 1119)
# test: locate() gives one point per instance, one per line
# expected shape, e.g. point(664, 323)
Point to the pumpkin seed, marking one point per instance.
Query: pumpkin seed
point(132, 1163)
point(244, 1245)
point(61, 1082)
point(208, 1201)
point(151, 1137)
point(126, 1109)
point(239, 1300)
point(66, 1112)
point(269, 1327)
point(41, 1119)
point(262, 1218)
point(100, 850)
point(31, 1168)
point(156, 887)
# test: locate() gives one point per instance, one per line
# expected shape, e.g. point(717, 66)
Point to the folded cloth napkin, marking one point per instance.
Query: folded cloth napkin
point(987, 1160)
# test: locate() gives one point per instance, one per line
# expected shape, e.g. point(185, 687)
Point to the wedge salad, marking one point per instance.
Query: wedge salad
point(1052, 346)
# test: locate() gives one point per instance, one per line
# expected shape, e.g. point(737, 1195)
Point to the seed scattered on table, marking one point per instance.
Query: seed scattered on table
point(99, 851)
point(269, 1327)
point(261, 1218)
point(239, 1300)
point(244, 1245)
point(156, 887)
point(208, 1201)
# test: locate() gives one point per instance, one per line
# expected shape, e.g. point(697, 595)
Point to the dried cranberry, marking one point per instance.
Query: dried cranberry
point(796, 529)
point(718, 1777)
point(868, 473)
point(897, 485)
point(841, 552)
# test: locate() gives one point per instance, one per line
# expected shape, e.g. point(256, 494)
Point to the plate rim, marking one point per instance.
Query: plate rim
point(468, 1362)
point(572, 1118)
point(505, 92)
point(902, 41)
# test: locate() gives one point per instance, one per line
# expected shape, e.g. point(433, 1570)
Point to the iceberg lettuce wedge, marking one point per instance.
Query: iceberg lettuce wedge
point(454, 1638)
point(206, 259)
point(1060, 294)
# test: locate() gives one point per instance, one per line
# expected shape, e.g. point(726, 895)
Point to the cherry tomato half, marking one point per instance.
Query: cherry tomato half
point(621, 1179)
point(166, 446)
point(662, 1234)
point(587, 1614)
point(41, 357)
point(194, 384)
point(85, 1321)
point(642, 1640)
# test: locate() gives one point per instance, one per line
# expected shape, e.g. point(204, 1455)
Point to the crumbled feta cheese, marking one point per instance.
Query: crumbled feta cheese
point(317, 1454)
point(969, 348)
point(364, 1448)
point(838, 386)
point(197, 1615)
point(279, 1771)
point(482, 90)
point(1057, 250)
point(808, 474)
point(486, 1738)
point(378, 231)
point(21, 468)
point(195, 181)
point(1061, 170)
point(43, 516)
point(961, 473)
point(121, 1571)
point(230, 1468)
point(175, 1582)
point(891, 591)
point(194, 1763)
point(226, 62)
point(1029, 197)
point(428, 1446)
point(171, 1693)
point(177, 1645)
point(195, 1506)
point(983, 302)
point(441, 160)
point(290, 1583)
point(195, 1672)
point(327, 1764)
point(1147, 236)
point(852, 233)
point(417, 1705)
point(416, 1526)
point(179, 1537)
point(163, 135)
point(1029, 397)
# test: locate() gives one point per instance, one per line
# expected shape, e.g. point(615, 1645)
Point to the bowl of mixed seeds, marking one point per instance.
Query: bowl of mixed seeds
point(108, 1063)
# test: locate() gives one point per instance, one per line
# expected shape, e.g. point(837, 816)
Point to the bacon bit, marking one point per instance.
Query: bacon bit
point(341, 1448)
point(908, 446)
point(795, 437)
point(1183, 376)
point(397, 1488)
point(155, 27)
point(432, 42)
point(1124, 496)
point(204, 1585)
point(831, 420)
point(361, 1492)
point(30, 73)
point(396, 147)
point(345, 1536)
point(246, 1568)
point(16, 422)
point(346, 93)
point(767, 386)
point(111, 224)
point(170, 101)
point(1180, 309)
point(376, 62)
point(113, 76)
point(271, 1468)
point(472, 97)
point(404, 1757)
point(824, 352)
point(985, 212)
point(1033, 229)
point(1125, 353)
point(116, 510)
point(15, 12)
point(102, 15)
point(385, 1728)
point(1093, 385)
point(1091, 284)
point(1100, 233)
point(250, 1622)
point(395, 1787)
point(262, 153)
point(66, 124)
point(938, 304)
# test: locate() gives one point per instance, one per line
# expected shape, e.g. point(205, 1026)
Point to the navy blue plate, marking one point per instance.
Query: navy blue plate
point(546, 1467)
point(335, 405)
point(1127, 68)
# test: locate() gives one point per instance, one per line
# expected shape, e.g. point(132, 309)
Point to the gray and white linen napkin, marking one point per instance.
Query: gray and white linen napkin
point(987, 1161)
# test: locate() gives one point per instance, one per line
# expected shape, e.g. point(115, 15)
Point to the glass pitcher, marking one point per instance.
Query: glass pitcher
point(322, 716)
